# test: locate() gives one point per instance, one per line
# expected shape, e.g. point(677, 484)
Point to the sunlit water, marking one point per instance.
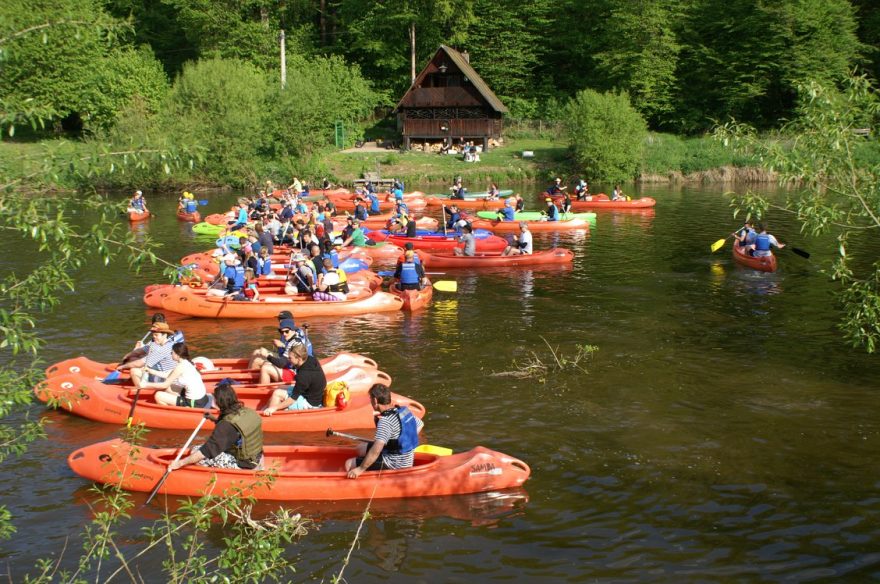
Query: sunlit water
point(723, 430)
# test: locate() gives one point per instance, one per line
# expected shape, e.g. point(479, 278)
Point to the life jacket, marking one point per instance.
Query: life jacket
point(334, 257)
point(409, 431)
point(507, 214)
point(234, 278)
point(341, 284)
point(360, 212)
point(398, 193)
point(374, 203)
point(242, 216)
point(191, 206)
point(137, 204)
point(552, 213)
point(266, 266)
point(453, 219)
point(408, 273)
point(762, 242)
point(249, 447)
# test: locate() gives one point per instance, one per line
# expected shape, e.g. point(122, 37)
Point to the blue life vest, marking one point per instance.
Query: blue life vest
point(242, 216)
point(137, 204)
point(453, 219)
point(265, 266)
point(234, 278)
point(191, 206)
point(334, 257)
point(408, 273)
point(360, 212)
point(552, 213)
point(762, 242)
point(374, 203)
point(398, 193)
point(409, 431)
point(256, 246)
point(507, 214)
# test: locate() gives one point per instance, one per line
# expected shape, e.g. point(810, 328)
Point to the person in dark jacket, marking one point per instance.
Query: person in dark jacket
point(307, 392)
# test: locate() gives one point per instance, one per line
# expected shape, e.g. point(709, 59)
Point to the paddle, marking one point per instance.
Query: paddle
point(445, 285)
point(203, 202)
point(443, 217)
point(426, 448)
point(390, 273)
point(801, 252)
point(134, 402)
point(179, 454)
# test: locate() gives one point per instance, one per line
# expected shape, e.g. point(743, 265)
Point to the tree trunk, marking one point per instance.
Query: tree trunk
point(412, 52)
point(322, 19)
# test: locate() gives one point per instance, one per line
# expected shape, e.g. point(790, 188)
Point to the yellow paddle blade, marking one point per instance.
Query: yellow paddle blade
point(435, 450)
point(446, 285)
point(718, 244)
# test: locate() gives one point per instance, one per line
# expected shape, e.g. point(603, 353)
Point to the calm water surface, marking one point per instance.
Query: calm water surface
point(723, 431)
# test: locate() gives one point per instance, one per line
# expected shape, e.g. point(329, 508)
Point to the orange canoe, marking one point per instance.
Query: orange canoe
point(234, 368)
point(186, 301)
point(193, 217)
point(535, 226)
point(413, 299)
point(444, 243)
point(135, 217)
point(479, 204)
point(111, 404)
point(483, 260)
point(601, 201)
point(300, 473)
point(763, 264)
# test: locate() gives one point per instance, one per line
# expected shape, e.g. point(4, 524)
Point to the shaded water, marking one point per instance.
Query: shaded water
point(723, 430)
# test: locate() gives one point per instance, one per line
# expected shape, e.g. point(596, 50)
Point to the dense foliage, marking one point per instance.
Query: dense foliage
point(686, 64)
point(606, 134)
point(837, 164)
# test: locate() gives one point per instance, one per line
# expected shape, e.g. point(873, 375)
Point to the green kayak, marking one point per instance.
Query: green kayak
point(208, 229)
point(538, 215)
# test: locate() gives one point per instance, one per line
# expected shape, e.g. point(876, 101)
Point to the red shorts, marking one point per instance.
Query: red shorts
point(287, 375)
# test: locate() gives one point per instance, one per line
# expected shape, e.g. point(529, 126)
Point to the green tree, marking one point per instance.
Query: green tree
point(639, 54)
point(223, 103)
point(379, 35)
point(606, 135)
point(319, 92)
point(506, 44)
point(836, 169)
point(745, 58)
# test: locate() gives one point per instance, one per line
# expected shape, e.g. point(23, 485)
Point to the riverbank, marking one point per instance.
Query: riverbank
point(666, 159)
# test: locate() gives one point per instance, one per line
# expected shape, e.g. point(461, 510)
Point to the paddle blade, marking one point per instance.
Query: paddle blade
point(800, 252)
point(446, 285)
point(386, 273)
point(435, 450)
point(718, 245)
point(203, 202)
point(113, 376)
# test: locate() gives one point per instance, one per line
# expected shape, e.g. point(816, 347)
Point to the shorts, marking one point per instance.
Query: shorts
point(288, 375)
point(199, 403)
point(379, 464)
point(301, 403)
point(153, 378)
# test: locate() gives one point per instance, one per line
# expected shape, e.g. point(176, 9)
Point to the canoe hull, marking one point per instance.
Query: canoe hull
point(193, 217)
point(534, 226)
point(138, 217)
point(494, 260)
point(763, 264)
point(301, 473)
point(413, 299)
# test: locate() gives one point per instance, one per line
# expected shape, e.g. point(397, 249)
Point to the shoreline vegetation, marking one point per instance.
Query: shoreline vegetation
point(666, 159)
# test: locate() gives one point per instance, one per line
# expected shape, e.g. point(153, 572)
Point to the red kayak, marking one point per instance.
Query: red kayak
point(193, 217)
point(300, 473)
point(480, 204)
point(535, 226)
point(111, 404)
point(764, 264)
point(601, 201)
point(494, 260)
point(446, 243)
point(413, 299)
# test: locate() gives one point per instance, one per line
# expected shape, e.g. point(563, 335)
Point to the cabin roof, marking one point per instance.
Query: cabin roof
point(465, 68)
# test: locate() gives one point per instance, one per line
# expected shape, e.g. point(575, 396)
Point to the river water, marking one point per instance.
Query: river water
point(722, 431)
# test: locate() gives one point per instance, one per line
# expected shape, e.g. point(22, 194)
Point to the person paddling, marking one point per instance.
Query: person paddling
point(397, 436)
point(137, 204)
point(237, 439)
point(763, 242)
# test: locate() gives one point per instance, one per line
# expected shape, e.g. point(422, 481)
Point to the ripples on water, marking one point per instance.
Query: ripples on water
point(722, 432)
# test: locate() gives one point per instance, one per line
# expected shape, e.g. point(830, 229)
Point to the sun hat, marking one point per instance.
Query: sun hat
point(161, 327)
point(287, 323)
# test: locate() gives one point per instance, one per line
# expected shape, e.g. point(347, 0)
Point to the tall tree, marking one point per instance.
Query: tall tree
point(505, 41)
point(744, 58)
point(381, 34)
point(639, 53)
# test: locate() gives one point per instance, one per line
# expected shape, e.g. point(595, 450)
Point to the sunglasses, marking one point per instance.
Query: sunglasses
point(284, 331)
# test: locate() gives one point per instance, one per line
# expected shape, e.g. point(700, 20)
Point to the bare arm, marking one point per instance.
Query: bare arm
point(372, 456)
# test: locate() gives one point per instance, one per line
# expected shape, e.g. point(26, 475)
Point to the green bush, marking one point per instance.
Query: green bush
point(606, 134)
point(666, 153)
point(223, 104)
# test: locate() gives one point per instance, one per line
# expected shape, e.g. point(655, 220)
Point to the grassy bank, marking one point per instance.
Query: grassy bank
point(665, 158)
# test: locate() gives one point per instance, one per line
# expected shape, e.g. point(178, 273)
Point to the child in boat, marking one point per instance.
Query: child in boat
point(183, 386)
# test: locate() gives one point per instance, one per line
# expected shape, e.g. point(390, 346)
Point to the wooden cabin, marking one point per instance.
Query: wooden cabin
point(449, 102)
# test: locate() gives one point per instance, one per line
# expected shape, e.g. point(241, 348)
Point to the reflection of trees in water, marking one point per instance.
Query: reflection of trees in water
point(389, 540)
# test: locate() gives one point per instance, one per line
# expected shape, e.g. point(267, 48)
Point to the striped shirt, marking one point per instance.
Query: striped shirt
point(159, 356)
point(388, 429)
